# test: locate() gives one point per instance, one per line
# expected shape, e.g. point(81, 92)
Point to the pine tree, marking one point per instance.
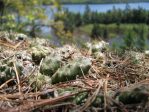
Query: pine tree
point(141, 40)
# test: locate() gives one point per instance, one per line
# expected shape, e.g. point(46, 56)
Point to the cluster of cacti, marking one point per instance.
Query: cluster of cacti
point(60, 65)
point(7, 71)
point(72, 70)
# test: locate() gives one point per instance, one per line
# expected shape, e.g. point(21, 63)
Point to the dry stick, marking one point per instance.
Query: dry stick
point(17, 95)
point(37, 75)
point(17, 75)
point(95, 71)
point(83, 73)
point(91, 99)
point(105, 93)
point(33, 105)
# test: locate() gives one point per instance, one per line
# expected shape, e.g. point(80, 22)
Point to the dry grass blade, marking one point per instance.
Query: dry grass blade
point(17, 76)
point(105, 93)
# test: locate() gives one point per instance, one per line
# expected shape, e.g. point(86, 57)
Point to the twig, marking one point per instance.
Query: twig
point(17, 76)
point(105, 93)
point(36, 104)
point(91, 99)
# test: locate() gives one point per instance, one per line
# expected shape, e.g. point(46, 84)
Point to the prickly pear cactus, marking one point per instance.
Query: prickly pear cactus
point(50, 65)
point(77, 67)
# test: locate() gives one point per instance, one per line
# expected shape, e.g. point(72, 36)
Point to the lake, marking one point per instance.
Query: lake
point(94, 7)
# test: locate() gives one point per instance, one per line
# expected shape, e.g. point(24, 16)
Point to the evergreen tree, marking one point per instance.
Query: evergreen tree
point(141, 40)
point(96, 32)
point(87, 15)
point(105, 33)
point(129, 41)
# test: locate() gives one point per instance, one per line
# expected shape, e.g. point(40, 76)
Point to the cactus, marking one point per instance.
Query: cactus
point(136, 95)
point(77, 67)
point(38, 53)
point(38, 81)
point(7, 71)
point(79, 99)
point(50, 65)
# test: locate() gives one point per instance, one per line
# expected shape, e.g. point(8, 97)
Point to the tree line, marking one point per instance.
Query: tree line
point(99, 1)
point(72, 20)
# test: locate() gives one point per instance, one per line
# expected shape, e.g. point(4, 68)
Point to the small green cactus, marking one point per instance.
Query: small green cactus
point(38, 53)
point(38, 81)
point(50, 65)
point(77, 67)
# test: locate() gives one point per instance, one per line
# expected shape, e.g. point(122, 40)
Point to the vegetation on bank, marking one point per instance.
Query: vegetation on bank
point(117, 16)
point(113, 30)
point(131, 23)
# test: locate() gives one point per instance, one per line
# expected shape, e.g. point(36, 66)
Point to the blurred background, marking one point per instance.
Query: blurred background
point(122, 23)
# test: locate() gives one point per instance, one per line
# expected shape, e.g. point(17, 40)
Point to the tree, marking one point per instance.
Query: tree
point(78, 20)
point(87, 15)
point(17, 15)
point(141, 40)
point(96, 32)
point(105, 33)
point(129, 41)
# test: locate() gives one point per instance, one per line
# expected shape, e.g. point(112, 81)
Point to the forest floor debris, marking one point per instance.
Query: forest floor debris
point(35, 76)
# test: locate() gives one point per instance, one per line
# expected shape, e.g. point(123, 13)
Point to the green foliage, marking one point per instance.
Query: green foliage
point(99, 1)
point(129, 41)
point(141, 41)
point(117, 16)
point(17, 15)
point(87, 15)
point(96, 31)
